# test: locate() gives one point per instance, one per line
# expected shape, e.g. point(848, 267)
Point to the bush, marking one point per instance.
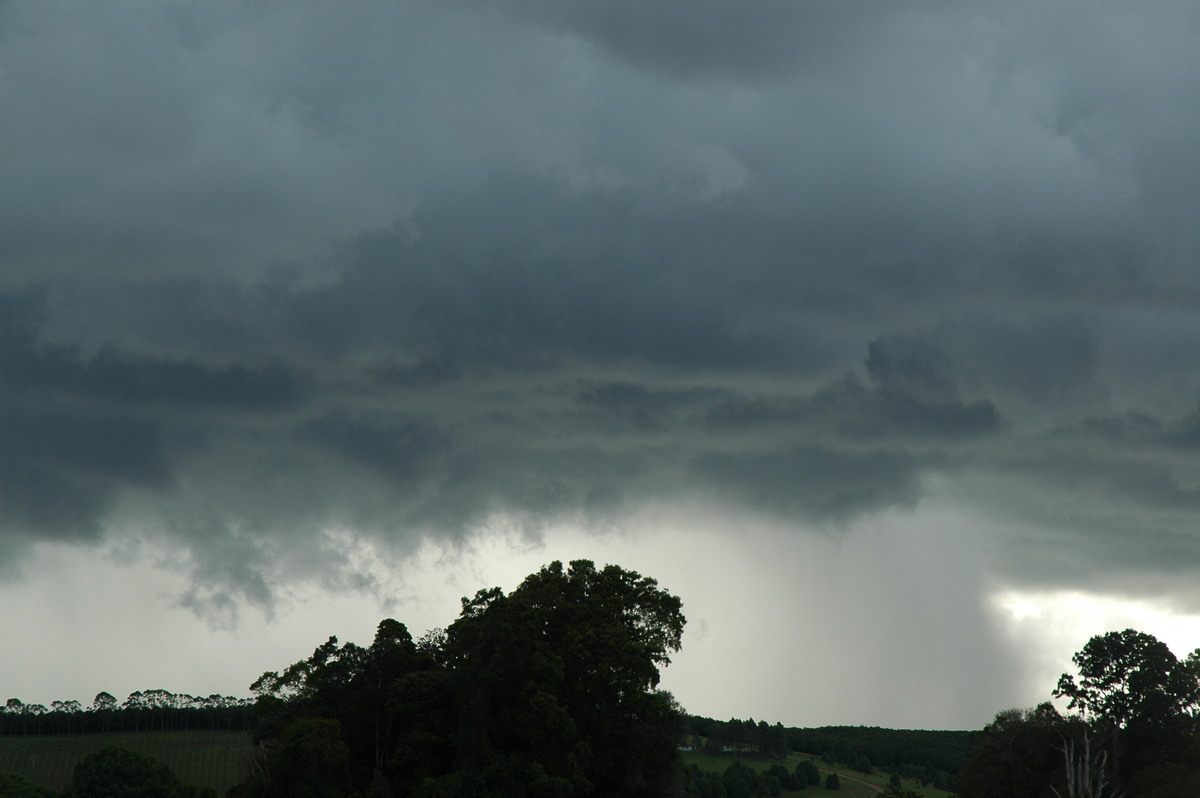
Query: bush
point(114, 772)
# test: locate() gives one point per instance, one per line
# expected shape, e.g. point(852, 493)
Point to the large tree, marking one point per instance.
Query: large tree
point(366, 696)
point(557, 682)
point(1128, 677)
point(1017, 754)
point(1135, 692)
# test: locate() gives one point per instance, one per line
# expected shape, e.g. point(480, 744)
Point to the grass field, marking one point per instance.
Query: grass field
point(849, 788)
point(213, 759)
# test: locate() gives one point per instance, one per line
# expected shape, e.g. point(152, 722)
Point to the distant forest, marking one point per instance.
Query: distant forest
point(932, 757)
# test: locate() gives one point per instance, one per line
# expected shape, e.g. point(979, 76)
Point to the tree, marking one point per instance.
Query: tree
point(809, 770)
point(1017, 754)
point(1137, 733)
point(311, 760)
point(1124, 676)
point(897, 791)
point(114, 772)
point(14, 709)
point(104, 707)
point(1086, 772)
point(832, 782)
point(37, 712)
point(134, 707)
point(561, 674)
point(14, 786)
point(361, 691)
point(1134, 691)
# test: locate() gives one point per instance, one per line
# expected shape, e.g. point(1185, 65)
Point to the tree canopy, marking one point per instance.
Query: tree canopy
point(1136, 734)
point(550, 690)
point(114, 772)
point(1131, 677)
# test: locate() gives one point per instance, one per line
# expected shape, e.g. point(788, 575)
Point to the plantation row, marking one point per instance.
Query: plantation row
point(150, 710)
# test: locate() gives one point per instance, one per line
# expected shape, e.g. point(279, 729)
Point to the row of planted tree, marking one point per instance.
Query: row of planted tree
point(142, 710)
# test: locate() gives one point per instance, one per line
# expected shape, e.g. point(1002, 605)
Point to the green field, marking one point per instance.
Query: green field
point(210, 758)
point(849, 787)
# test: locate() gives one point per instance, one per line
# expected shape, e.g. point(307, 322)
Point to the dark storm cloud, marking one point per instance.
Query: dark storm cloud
point(631, 404)
point(404, 450)
point(710, 37)
point(61, 469)
point(815, 482)
point(31, 367)
point(495, 280)
point(1044, 359)
point(853, 411)
point(273, 270)
point(79, 430)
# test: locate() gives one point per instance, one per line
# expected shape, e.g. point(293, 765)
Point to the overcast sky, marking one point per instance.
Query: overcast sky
point(871, 330)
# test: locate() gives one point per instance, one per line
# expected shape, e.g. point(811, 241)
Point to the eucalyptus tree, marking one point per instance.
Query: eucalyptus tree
point(104, 708)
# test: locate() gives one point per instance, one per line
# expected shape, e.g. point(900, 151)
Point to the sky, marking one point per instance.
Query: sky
point(872, 331)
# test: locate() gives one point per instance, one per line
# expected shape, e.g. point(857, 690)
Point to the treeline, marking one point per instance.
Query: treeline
point(891, 748)
point(142, 710)
point(932, 757)
point(736, 736)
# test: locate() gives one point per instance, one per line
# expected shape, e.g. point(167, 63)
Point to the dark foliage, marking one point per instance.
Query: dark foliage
point(548, 691)
point(1018, 754)
point(120, 773)
point(1138, 734)
point(13, 786)
point(913, 750)
point(932, 757)
point(738, 781)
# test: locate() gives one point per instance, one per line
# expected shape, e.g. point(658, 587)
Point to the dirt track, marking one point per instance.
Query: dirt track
point(874, 787)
